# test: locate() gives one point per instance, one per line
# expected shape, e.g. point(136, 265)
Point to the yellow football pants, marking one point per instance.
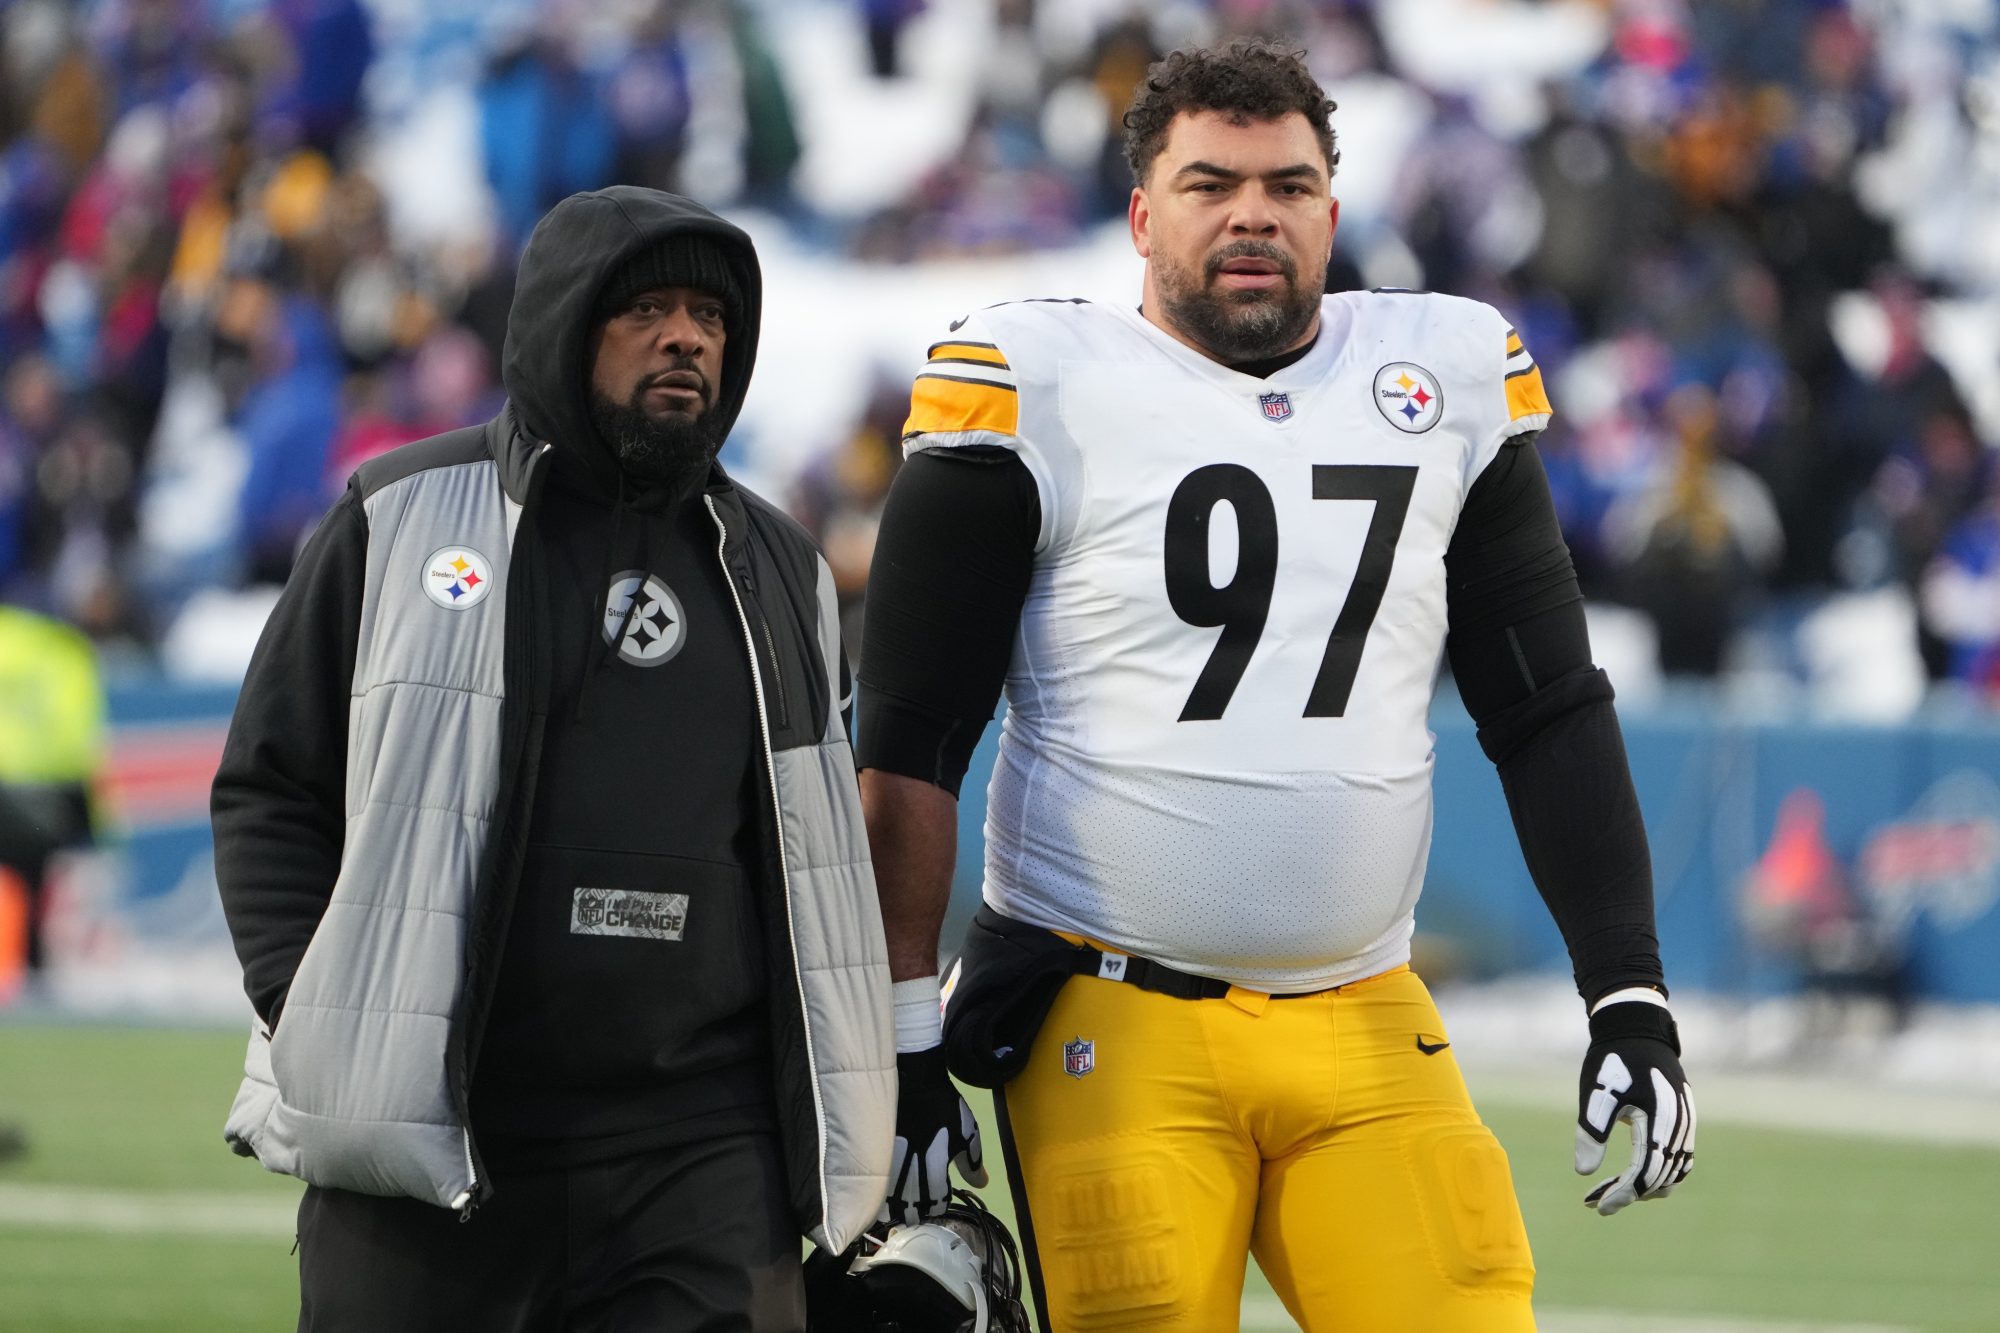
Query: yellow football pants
point(1160, 1141)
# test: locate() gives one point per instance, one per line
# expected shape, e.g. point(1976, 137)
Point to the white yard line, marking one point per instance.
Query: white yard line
point(1265, 1314)
point(1607, 1321)
point(73, 1208)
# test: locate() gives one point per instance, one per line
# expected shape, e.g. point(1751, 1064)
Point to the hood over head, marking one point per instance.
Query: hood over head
point(584, 245)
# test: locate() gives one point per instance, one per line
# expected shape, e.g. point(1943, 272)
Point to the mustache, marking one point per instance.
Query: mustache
point(1250, 250)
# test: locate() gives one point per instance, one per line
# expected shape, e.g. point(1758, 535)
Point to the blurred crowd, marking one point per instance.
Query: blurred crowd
point(209, 313)
point(1755, 245)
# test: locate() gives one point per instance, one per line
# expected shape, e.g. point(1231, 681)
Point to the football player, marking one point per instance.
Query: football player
point(1214, 549)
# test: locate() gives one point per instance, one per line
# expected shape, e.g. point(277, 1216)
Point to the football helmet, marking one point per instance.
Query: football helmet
point(960, 1273)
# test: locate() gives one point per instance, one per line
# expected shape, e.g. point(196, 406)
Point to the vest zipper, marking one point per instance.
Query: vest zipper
point(469, 1200)
point(777, 672)
point(784, 868)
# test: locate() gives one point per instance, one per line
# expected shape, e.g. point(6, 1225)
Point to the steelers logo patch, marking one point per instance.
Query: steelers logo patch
point(656, 629)
point(1408, 397)
point(457, 578)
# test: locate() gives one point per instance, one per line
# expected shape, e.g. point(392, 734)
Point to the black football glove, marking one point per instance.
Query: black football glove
point(934, 1127)
point(1632, 1072)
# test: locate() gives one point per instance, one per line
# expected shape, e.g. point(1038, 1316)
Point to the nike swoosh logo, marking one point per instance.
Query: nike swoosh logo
point(1428, 1049)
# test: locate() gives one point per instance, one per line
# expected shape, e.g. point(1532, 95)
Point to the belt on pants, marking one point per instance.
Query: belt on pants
point(1161, 979)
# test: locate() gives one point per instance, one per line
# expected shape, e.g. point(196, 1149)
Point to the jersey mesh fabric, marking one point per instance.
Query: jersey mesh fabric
point(1260, 836)
point(1221, 874)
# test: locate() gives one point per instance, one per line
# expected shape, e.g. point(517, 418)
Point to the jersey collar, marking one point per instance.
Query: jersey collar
point(1310, 369)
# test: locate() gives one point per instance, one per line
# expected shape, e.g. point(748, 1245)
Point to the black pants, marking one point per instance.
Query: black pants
point(35, 823)
point(691, 1239)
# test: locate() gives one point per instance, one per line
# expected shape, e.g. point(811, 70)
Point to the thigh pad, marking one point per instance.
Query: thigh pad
point(1111, 1222)
point(1465, 1193)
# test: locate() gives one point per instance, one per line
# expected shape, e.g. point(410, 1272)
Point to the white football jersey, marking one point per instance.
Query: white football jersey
point(1216, 751)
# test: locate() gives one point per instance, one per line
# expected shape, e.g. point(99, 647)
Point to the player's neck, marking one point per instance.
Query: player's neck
point(1266, 366)
point(1152, 313)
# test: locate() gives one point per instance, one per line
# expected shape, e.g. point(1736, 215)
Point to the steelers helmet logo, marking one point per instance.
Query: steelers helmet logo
point(457, 578)
point(1408, 397)
point(656, 628)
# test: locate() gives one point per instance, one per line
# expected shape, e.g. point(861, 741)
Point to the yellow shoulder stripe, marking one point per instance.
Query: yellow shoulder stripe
point(943, 404)
point(1525, 395)
point(1513, 342)
point(985, 354)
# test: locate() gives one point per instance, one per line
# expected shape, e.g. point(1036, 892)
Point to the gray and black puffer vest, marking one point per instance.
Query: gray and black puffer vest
point(363, 1086)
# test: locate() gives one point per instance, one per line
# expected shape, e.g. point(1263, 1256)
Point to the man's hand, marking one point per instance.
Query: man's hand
point(934, 1127)
point(1632, 1072)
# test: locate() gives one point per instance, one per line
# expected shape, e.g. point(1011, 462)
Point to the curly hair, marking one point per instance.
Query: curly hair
point(1252, 78)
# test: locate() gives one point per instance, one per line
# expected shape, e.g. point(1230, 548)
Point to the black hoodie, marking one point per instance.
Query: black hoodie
point(279, 803)
point(574, 251)
point(627, 1010)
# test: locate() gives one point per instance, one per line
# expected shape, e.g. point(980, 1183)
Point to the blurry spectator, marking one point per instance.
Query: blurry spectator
point(70, 103)
point(117, 244)
point(1900, 424)
point(839, 498)
point(885, 21)
point(86, 479)
point(1696, 542)
point(51, 747)
point(448, 384)
point(1924, 490)
point(1800, 910)
point(151, 49)
point(347, 255)
point(286, 414)
point(1596, 207)
point(1699, 200)
point(1116, 66)
point(999, 195)
point(650, 102)
point(1462, 203)
point(66, 493)
point(31, 413)
point(330, 44)
point(1818, 242)
point(546, 130)
point(1959, 597)
point(771, 143)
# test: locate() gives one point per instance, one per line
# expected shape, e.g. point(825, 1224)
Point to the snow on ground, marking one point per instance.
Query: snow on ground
point(1782, 1062)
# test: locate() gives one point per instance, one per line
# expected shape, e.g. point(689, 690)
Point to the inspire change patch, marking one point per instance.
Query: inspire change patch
point(641, 916)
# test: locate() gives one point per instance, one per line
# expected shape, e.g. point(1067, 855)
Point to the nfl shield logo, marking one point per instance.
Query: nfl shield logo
point(1277, 406)
point(1079, 1057)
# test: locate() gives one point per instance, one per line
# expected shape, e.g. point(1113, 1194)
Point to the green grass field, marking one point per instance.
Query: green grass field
point(127, 1213)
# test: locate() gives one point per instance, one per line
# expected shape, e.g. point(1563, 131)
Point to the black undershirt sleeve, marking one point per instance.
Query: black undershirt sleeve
point(952, 563)
point(1520, 655)
point(280, 797)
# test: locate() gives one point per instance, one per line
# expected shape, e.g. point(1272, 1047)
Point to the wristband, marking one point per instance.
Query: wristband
point(1643, 994)
point(919, 1014)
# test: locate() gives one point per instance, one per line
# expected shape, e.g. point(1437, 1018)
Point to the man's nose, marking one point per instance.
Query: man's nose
point(1252, 214)
point(679, 333)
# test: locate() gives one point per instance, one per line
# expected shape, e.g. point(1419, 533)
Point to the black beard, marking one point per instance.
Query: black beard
point(671, 452)
point(1245, 325)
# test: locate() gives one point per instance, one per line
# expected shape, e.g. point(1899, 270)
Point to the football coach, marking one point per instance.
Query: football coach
point(538, 837)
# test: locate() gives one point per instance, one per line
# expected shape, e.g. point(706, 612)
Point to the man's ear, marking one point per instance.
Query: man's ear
point(1139, 213)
